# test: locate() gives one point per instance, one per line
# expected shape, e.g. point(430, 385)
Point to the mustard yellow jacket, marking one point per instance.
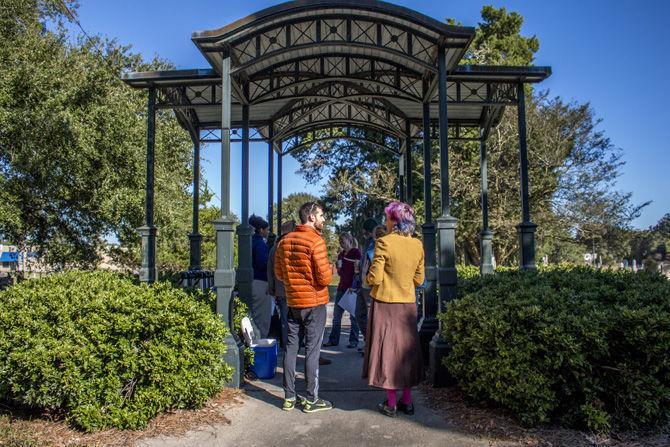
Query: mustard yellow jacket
point(397, 269)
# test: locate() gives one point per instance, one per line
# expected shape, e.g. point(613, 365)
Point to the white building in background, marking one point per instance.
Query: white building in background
point(13, 261)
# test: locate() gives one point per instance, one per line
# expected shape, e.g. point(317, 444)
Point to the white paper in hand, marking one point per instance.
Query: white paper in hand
point(348, 302)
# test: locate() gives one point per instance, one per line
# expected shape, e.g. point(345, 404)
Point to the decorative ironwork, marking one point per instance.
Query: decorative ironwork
point(299, 76)
point(210, 136)
point(391, 40)
point(323, 134)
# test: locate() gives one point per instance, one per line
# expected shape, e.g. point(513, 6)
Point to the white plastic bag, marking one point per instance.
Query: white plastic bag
point(247, 331)
point(348, 302)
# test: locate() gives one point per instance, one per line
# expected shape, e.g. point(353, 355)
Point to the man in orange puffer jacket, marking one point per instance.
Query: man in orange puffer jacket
point(301, 263)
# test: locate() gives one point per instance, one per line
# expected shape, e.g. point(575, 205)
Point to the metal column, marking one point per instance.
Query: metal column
point(271, 183)
point(224, 275)
point(280, 159)
point(245, 272)
point(486, 241)
point(401, 176)
point(195, 238)
point(408, 164)
point(148, 272)
point(526, 229)
point(446, 227)
point(428, 323)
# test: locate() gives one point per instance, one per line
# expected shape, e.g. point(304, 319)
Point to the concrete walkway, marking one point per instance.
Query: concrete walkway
point(353, 422)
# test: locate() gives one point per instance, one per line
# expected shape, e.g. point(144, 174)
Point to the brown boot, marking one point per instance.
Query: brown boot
point(324, 361)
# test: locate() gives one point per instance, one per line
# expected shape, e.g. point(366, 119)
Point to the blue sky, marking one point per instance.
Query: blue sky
point(613, 54)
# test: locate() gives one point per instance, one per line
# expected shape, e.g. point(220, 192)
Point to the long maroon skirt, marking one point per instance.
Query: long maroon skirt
point(393, 357)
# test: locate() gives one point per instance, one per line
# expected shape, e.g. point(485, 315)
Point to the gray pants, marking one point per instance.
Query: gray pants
point(260, 307)
point(313, 321)
point(283, 318)
point(362, 303)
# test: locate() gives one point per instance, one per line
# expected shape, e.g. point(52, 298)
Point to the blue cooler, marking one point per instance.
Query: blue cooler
point(265, 358)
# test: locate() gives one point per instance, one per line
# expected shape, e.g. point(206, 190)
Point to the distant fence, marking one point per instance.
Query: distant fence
point(202, 279)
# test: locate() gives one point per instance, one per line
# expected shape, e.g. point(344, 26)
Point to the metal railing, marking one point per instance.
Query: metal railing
point(202, 279)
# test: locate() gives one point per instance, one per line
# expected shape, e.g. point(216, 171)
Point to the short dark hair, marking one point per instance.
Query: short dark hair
point(258, 222)
point(369, 225)
point(306, 209)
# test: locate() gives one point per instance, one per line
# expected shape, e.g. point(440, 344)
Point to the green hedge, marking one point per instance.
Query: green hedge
point(106, 352)
point(582, 347)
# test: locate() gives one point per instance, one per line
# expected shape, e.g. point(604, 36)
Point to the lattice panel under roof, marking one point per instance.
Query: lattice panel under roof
point(329, 107)
point(337, 31)
point(318, 134)
point(296, 78)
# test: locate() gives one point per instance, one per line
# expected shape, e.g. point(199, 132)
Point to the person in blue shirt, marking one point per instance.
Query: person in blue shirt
point(260, 305)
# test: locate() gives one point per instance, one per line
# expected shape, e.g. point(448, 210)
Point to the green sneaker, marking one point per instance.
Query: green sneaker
point(317, 405)
point(288, 405)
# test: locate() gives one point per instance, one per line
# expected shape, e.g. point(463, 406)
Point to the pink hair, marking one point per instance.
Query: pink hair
point(403, 215)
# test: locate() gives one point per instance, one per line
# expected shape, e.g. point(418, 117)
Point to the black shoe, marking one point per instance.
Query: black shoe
point(324, 361)
point(406, 408)
point(386, 410)
point(352, 345)
point(317, 405)
point(328, 344)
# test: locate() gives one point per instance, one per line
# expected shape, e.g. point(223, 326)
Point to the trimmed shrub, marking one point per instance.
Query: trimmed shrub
point(585, 348)
point(467, 272)
point(105, 352)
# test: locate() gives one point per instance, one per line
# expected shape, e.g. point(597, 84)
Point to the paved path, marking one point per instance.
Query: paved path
point(353, 422)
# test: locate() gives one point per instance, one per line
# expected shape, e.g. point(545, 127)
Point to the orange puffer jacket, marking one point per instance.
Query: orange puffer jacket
point(301, 263)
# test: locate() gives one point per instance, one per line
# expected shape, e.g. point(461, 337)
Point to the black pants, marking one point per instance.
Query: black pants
point(312, 320)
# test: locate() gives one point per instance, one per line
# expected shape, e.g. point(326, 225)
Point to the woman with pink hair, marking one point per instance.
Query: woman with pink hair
point(393, 354)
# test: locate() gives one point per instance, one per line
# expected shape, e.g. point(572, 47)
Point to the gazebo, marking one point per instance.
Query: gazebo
point(302, 72)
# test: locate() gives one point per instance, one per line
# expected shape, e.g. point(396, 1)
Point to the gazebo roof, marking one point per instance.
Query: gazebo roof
point(363, 64)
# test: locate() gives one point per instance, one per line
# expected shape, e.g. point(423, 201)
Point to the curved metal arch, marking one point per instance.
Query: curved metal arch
point(339, 137)
point(311, 94)
point(364, 7)
point(331, 101)
point(368, 57)
point(349, 81)
point(342, 48)
point(356, 124)
point(354, 15)
point(295, 98)
point(272, 69)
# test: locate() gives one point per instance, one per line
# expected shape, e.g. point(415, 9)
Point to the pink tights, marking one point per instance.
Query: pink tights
point(392, 397)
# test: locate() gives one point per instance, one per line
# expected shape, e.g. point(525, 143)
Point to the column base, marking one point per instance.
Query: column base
point(486, 250)
point(428, 230)
point(446, 272)
point(148, 270)
point(224, 283)
point(428, 326)
point(440, 376)
point(195, 244)
point(526, 232)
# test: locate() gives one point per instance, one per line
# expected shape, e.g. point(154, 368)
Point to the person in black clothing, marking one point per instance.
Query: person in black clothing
point(260, 305)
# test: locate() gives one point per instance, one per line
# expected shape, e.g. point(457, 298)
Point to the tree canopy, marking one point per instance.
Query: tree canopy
point(73, 142)
point(573, 167)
